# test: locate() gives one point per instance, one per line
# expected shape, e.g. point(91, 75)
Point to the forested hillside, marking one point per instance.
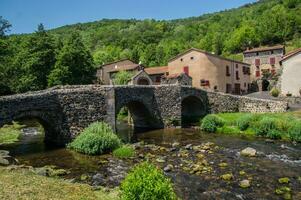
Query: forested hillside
point(53, 55)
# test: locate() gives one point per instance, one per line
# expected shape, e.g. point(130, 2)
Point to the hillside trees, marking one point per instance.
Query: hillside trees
point(33, 62)
point(74, 64)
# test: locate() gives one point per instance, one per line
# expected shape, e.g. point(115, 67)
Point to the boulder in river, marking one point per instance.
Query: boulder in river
point(248, 152)
point(6, 159)
point(244, 183)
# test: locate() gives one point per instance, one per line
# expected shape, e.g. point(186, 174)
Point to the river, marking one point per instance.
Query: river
point(196, 162)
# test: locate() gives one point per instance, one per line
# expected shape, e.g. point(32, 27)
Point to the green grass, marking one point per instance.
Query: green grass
point(23, 184)
point(283, 126)
point(10, 133)
point(124, 152)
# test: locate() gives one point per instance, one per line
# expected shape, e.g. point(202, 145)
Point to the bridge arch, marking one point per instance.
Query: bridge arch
point(192, 109)
point(140, 113)
point(49, 121)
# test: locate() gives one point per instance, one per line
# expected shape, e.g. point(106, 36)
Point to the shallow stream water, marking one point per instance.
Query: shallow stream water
point(196, 171)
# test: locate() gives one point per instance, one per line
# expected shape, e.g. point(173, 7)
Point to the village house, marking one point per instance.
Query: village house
point(105, 73)
point(263, 60)
point(212, 72)
point(204, 70)
point(290, 79)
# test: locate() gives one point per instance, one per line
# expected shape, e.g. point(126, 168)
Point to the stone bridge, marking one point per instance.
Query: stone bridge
point(64, 111)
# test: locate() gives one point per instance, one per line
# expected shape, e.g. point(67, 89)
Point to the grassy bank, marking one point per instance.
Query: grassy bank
point(22, 184)
point(285, 126)
point(10, 133)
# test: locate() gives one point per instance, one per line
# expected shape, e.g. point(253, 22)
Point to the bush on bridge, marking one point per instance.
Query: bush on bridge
point(98, 138)
point(210, 123)
point(145, 181)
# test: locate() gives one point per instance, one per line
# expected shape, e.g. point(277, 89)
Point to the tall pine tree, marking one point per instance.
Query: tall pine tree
point(74, 64)
point(34, 62)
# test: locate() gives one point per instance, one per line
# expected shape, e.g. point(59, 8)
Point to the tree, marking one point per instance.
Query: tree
point(74, 64)
point(242, 38)
point(122, 77)
point(4, 57)
point(34, 61)
point(4, 26)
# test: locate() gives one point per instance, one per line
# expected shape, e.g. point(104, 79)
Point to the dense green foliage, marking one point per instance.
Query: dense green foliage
point(210, 123)
point(146, 182)
point(124, 152)
point(294, 132)
point(227, 33)
point(271, 125)
point(10, 133)
point(98, 138)
point(74, 64)
point(122, 77)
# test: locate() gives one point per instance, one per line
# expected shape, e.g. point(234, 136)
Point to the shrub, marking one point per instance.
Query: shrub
point(275, 92)
point(265, 125)
point(210, 123)
point(96, 139)
point(144, 182)
point(243, 122)
point(124, 152)
point(294, 132)
point(274, 134)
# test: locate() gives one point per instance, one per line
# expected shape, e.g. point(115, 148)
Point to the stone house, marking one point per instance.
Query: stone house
point(177, 79)
point(290, 79)
point(264, 60)
point(141, 78)
point(156, 73)
point(212, 72)
point(105, 72)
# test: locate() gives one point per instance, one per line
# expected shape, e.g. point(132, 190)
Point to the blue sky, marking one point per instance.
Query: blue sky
point(24, 15)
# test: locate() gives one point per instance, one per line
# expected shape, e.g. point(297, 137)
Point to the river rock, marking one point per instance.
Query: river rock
point(160, 160)
point(227, 177)
point(248, 152)
point(244, 183)
point(98, 179)
point(223, 165)
point(4, 153)
point(175, 144)
point(3, 161)
point(284, 180)
point(168, 168)
point(188, 146)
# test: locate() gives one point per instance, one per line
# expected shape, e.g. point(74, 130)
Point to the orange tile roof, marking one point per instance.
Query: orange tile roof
point(264, 49)
point(156, 70)
point(125, 67)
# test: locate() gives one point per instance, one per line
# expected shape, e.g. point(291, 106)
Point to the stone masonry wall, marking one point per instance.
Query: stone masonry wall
point(65, 111)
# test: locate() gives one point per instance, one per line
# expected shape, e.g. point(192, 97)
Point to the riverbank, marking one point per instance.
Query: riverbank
point(23, 184)
point(10, 133)
point(284, 126)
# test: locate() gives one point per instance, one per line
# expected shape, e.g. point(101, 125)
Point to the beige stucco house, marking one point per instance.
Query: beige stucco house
point(264, 60)
point(212, 72)
point(290, 80)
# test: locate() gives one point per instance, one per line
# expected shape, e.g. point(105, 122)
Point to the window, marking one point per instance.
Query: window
point(236, 66)
point(191, 58)
point(181, 59)
point(227, 71)
point(186, 70)
point(237, 75)
point(257, 73)
point(245, 84)
point(272, 52)
point(228, 88)
point(205, 82)
point(257, 62)
point(272, 61)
